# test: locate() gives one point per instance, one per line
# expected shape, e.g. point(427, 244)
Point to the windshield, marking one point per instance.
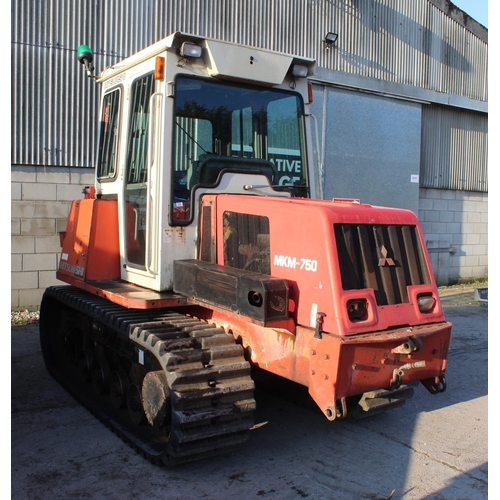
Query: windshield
point(222, 126)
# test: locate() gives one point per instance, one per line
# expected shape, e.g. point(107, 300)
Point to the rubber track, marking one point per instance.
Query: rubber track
point(211, 389)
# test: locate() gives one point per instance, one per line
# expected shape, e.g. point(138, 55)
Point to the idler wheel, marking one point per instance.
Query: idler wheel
point(100, 376)
point(85, 362)
point(118, 384)
point(156, 399)
point(134, 404)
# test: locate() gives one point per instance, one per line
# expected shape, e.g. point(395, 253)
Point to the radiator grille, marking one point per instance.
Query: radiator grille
point(386, 258)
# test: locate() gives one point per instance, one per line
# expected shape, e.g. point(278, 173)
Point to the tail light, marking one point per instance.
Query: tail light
point(357, 309)
point(426, 303)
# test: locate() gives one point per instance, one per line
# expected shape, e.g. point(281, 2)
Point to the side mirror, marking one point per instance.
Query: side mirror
point(85, 56)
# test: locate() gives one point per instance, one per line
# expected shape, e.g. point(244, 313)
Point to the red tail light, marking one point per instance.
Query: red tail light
point(357, 309)
point(426, 303)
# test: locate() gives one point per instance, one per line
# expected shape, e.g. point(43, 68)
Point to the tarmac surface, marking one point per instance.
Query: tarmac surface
point(434, 447)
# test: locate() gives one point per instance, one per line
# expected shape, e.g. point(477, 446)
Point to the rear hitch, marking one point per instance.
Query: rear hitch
point(337, 411)
point(408, 347)
point(435, 385)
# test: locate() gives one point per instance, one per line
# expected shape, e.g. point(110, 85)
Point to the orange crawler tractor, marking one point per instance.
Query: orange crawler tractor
point(200, 252)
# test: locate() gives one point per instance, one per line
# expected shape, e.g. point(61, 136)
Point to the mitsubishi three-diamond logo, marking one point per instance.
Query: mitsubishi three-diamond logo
point(385, 261)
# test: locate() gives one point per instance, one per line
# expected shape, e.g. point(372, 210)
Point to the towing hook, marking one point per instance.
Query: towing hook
point(319, 325)
point(438, 386)
point(397, 378)
point(411, 345)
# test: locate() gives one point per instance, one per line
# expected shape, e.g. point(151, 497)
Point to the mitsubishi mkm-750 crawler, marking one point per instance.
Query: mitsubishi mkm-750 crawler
point(201, 252)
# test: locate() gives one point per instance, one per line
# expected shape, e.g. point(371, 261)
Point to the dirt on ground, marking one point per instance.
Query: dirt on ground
point(433, 447)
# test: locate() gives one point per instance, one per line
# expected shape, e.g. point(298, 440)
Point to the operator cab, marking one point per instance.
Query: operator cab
point(190, 116)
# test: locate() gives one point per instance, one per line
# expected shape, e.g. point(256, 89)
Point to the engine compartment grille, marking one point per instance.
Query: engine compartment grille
point(386, 258)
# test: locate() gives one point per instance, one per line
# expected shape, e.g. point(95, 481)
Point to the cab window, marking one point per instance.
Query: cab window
point(108, 143)
point(221, 126)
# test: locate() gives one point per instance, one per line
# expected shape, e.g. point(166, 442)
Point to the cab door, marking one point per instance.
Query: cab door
point(141, 177)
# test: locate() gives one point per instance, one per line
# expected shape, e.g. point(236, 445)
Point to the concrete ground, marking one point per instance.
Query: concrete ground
point(434, 447)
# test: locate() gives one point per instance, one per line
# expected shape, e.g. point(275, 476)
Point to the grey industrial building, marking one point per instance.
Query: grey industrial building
point(400, 106)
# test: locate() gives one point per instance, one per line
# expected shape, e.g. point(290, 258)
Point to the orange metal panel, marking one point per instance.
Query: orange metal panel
point(104, 246)
point(336, 367)
point(127, 294)
point(91, 248)
point(303, 251)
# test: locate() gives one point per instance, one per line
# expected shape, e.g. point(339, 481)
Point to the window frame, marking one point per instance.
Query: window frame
point(119, 119)
point(302, 141)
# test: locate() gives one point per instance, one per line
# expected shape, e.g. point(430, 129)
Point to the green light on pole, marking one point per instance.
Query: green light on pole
point(85, 56)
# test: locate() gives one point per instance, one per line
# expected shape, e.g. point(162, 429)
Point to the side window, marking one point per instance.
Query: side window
point(141, 92)
point(246, 242)
point(109, 128)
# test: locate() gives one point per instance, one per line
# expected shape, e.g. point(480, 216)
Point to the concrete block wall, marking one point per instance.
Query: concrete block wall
point(455, 226)
point(40, 203)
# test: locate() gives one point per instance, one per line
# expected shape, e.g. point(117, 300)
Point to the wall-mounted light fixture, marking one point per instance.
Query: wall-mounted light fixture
point(330, 38)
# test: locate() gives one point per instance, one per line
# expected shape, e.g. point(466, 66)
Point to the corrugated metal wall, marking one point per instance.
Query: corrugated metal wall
point(454, 149)
point(404, 41)
point(370, 146)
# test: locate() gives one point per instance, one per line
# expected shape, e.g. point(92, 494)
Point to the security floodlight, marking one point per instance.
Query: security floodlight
point(331, 38)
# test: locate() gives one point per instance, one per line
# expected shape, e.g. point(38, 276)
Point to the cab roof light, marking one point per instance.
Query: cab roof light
point(299, 71)
point(191, 50)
